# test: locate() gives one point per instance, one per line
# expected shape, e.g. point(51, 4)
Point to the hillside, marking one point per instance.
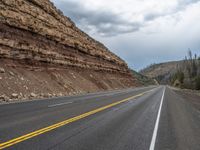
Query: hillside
point(161, 72)
point(43, 54)
point(143, 80)
point(182, 74)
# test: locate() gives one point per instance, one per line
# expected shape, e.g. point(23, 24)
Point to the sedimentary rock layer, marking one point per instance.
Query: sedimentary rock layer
point(35, 29)
point(34, 34)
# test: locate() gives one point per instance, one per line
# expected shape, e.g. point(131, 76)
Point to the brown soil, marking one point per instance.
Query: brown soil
point(31, 81)
point(192, 96)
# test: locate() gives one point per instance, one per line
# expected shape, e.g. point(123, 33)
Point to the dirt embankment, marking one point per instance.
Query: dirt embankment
point(43, 54)
point(191, 96)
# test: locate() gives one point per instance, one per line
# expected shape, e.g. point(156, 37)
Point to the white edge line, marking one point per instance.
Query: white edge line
point(153, 140)
point(59, 104)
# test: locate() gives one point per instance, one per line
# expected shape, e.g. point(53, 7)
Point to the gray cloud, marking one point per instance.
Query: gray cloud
point(173, 32)
point(105, 23)
point(186, 2)
point(182, 4)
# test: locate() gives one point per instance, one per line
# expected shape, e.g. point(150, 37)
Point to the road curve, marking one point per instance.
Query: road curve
point(144, 118)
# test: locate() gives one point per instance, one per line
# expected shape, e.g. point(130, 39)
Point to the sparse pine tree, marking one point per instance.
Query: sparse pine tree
point(191, 65)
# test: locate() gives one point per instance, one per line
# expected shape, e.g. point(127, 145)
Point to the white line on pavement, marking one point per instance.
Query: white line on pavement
point(153, 140)
point(54, 105)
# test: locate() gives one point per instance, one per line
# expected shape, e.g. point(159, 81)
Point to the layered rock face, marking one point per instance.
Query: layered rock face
point(34, 34)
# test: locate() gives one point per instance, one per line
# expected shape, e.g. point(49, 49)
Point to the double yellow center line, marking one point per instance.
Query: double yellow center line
point(60, 124)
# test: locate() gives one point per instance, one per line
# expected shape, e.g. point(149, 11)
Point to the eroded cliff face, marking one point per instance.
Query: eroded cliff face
point(35, 36)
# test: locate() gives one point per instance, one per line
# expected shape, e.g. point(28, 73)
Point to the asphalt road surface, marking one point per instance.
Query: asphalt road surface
point(144, 118)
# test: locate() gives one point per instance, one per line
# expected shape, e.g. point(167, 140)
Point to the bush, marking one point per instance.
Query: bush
point(179, 75)
point(197, 83)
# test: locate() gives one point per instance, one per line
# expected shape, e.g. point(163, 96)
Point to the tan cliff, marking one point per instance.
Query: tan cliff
point(42, 52)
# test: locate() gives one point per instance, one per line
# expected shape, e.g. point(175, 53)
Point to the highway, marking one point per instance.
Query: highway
point(145, 118)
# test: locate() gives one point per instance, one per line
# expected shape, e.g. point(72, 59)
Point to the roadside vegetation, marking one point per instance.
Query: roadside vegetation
point(187, 74)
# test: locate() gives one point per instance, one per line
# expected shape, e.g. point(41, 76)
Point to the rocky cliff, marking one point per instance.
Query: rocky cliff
point(42, 52)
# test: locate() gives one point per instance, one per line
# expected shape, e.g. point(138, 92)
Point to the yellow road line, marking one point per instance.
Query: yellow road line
point(60, 124)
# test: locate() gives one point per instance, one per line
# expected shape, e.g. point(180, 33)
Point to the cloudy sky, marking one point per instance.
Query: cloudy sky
point(139, 31)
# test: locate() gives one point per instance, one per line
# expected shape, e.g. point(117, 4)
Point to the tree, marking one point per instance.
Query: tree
point(191, 64)
point(179, 75)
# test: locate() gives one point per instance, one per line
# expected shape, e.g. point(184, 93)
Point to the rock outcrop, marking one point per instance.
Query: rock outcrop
point(37, 37)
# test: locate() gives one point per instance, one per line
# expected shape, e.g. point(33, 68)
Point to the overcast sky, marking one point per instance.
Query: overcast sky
point(139, 31)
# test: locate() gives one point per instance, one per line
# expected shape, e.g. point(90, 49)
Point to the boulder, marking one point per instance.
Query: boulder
point(14, 95)
point(2, 70)
point(11, 73)
point(33, 95)
point(3, 97)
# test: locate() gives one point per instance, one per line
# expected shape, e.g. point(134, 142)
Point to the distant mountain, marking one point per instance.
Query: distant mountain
point(143, 80)
point(161, 72)
point(183, 74)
